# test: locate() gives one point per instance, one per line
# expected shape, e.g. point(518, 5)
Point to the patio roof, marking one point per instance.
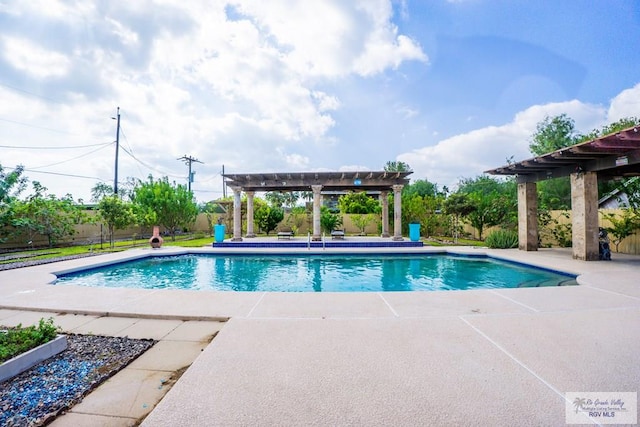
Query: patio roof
point(302, 181)
point(614, 155)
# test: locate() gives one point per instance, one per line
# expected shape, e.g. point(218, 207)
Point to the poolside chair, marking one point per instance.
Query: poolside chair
point(337, 234)
point(285, 234)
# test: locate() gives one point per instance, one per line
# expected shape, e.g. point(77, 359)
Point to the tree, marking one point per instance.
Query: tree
point(553, 133)
point(361, 221)
point(169, 205)
point(394, 166)
point(280, 199)
point(622, 226)
point(458, 206)
point(495, 202)
point(47, 215)
point(11, 185)
point(421, 187)
point(268, 217)
point(358, 203)
point(116, 214)
point(328, 220)
point(100, 191)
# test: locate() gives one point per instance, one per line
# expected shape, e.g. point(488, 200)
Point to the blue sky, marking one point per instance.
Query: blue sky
point(451, 87)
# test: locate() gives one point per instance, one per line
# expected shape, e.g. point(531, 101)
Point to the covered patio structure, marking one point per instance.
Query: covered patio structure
point(615, 155)
point(368, 181)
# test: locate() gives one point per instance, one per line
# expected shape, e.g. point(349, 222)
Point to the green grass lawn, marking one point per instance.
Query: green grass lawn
point(56, 252)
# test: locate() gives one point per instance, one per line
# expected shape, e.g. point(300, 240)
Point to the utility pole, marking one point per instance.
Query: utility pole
point(189, 160)
point(224, 184)
point(115, 179)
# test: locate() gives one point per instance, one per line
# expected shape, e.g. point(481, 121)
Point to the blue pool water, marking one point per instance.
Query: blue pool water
point(319, 273)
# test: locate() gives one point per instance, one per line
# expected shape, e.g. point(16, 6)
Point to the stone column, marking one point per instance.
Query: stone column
point(527, 216)
point(584, 215)
point(250, 232)
point(384, 201)
point(237, 215)
point(317, 198)
point(397, 212)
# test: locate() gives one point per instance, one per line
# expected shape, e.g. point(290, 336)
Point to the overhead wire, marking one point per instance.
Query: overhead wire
point(55, 148)
point(73, 158)
point(16, 89)
point(61, 174)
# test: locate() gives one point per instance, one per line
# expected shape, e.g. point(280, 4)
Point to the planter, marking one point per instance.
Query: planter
point(218, 231)
point(26, 360)
point(414, 232)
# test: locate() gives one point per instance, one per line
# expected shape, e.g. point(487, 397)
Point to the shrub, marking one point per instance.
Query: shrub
point(502, 239)
point(18, 340)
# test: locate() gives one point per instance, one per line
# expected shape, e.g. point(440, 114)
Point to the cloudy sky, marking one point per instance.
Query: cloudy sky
point(452, 87)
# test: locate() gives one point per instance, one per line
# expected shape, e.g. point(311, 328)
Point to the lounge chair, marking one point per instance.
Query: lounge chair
point(285, 235)
point(337, 234)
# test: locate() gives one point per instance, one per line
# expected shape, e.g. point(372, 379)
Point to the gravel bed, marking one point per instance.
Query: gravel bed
point(38, 395)
point(31, 263)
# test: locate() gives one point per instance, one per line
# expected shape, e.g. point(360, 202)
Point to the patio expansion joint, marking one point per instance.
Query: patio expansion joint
point(515, 359)
point(611, 292)
point(395, 313)
point(514, 301)
point(256, 304)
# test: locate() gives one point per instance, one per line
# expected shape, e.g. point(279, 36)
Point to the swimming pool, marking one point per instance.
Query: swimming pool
point(317, 273)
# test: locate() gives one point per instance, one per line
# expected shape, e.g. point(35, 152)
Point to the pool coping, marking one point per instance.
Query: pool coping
point(30, 288)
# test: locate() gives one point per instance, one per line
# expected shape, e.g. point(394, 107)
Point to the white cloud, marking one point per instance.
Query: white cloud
point(37, 61)
point(469, 154)
point(625, 104)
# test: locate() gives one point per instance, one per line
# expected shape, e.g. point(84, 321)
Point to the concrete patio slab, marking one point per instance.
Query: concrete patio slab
point(194, 330)
point(627, 285)
point(149, 329)
point(319, 305)
point(26, 318)
point(131, 394)
point(192, 303)
point(453, 303)
point(109, 326)
point(594, 350)
point(70, 321)
point(169, 356)
point(92, 420)
point(355, 372)
point(566, 298)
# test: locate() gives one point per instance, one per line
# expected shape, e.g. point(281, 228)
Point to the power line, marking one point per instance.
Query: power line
point(74, 158)
point(30, 93)
point(49, 129)
point(149, 166)
point(56, 148)
point(60, 174)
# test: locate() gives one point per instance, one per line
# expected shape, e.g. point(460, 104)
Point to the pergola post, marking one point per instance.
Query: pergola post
point(250, 232)
point(384, 200)
point(584, 219)
point(317, 197)
point(237, 215)
point(527, 216)
point(397, 212)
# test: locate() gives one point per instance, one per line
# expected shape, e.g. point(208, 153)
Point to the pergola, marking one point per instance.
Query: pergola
point(368, 181)
point(614, 155)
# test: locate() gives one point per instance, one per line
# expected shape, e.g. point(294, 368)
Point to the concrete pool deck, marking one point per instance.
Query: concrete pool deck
point(481, 357)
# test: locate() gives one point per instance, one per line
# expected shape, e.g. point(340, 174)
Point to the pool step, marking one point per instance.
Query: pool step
point(332, 244)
